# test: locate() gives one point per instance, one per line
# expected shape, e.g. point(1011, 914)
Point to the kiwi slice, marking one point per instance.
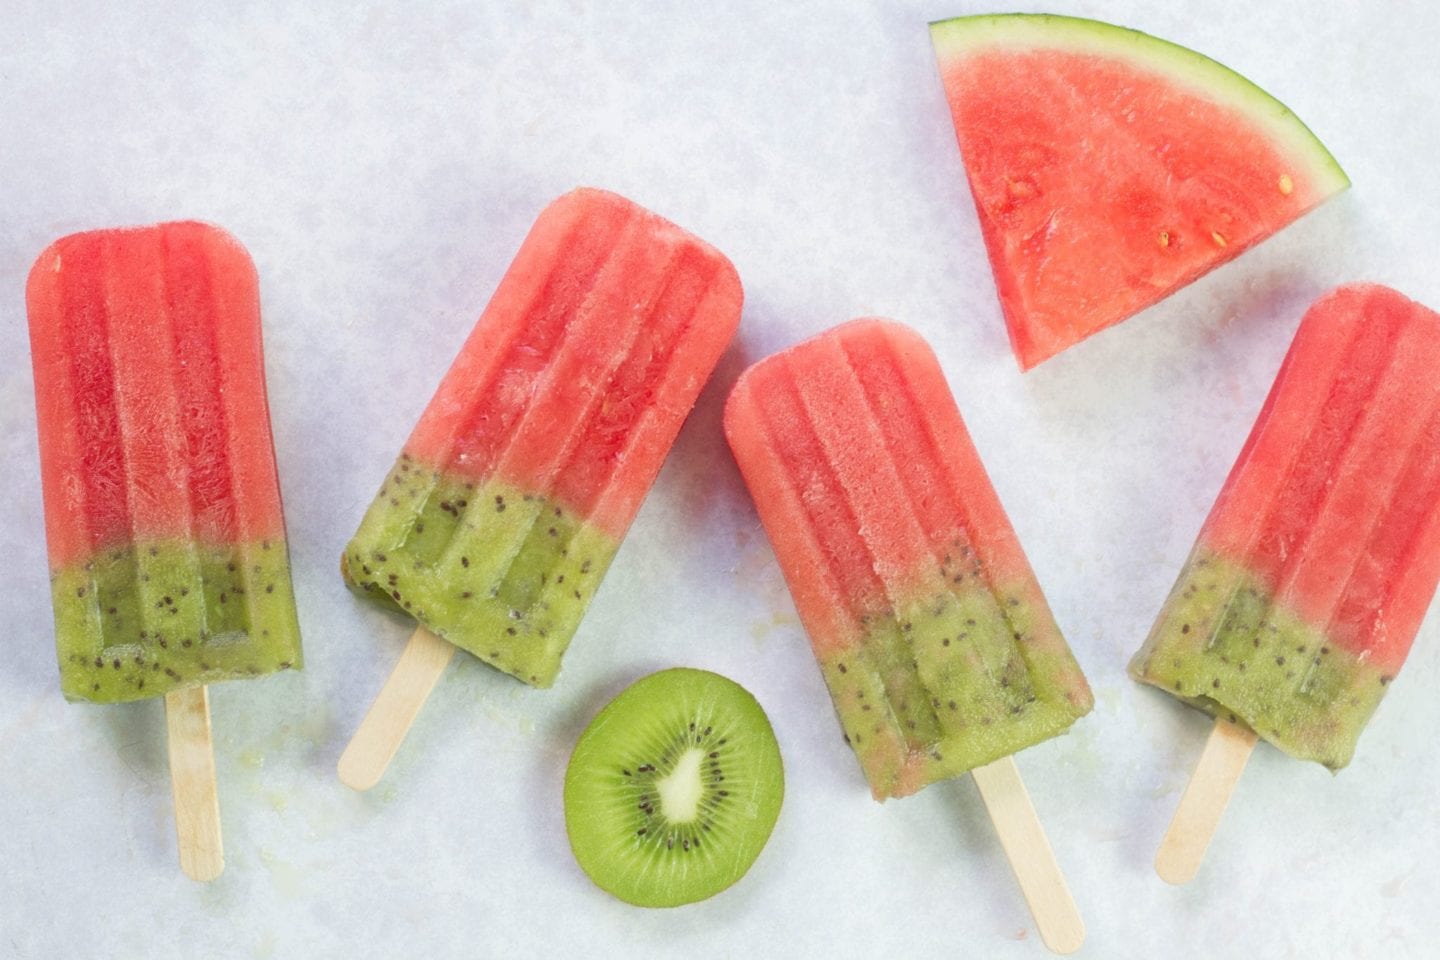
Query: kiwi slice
point(673, 789)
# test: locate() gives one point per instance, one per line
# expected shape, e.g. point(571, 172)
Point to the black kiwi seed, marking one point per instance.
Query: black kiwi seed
point(642, 789)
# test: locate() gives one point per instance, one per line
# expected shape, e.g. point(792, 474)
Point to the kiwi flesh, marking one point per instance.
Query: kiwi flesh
point(673, 789)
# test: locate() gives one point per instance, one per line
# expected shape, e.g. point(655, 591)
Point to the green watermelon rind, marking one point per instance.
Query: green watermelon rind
point(1196, 72)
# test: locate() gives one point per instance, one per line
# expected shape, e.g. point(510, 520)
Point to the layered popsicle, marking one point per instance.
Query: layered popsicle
point(1312, 573)
point(510, 499)
point(939, 650)
point(167, 544)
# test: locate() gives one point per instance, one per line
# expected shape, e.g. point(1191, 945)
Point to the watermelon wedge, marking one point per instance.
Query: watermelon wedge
point(1110, 168)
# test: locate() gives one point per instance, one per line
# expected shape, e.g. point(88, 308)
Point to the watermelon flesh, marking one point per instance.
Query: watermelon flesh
point(932, 634)
point(1110, 168)
point(1310, 578)
point(166, 538)
point(512, 495)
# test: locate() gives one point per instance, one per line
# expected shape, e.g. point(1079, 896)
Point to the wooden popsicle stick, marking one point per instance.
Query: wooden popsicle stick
point(384, 728)
point(1030, 856)
point(192, 782)
point(1204, 800)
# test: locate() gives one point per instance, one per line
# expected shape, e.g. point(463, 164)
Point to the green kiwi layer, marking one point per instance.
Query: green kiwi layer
point(495, 570)
point(1221, 644)
point(951, 683)
point(139, 621)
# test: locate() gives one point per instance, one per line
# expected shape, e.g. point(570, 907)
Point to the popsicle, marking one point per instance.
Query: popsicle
point(939, 650)
point(1304, 591)
point(166, 539)
point(513, 493)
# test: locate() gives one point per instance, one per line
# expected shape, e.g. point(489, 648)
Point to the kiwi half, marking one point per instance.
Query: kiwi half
point(673, 789)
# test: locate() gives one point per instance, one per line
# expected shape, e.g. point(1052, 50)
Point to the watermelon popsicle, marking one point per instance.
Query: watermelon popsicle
point(1311, 575)
point(163, 520)
point(512, 495)
point(938, 647)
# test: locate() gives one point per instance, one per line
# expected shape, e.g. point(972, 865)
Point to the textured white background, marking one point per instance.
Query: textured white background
point(382, 162)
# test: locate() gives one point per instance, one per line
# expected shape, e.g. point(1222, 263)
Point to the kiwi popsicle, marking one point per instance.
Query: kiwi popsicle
point(162, 508)
point(933, 636)
point(163, 520)
point(512, 494)
point(1308, 582)
point(938, 648)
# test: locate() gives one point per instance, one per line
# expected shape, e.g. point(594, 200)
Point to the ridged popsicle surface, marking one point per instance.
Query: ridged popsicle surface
point(933, 636)
point(163, 518)
point(516, 487)
point(1317, 563)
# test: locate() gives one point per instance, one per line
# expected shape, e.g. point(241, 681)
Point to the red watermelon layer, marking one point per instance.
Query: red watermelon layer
point(150, 390)
point(577, 378)
point(1334, 502)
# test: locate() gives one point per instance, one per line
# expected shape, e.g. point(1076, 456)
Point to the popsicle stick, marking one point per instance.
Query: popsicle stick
point(1204, 800)
point(1030, 856)
point(192, 782)
point(384, 728)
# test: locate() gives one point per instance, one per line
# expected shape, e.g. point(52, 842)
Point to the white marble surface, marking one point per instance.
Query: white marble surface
point(382, 163)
